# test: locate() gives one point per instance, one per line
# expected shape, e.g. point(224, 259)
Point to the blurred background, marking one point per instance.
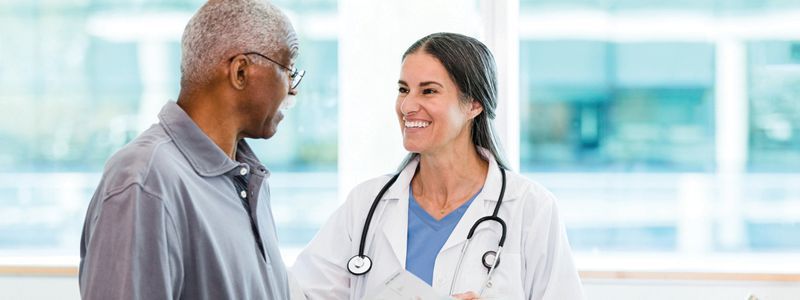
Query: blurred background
point(669, 130)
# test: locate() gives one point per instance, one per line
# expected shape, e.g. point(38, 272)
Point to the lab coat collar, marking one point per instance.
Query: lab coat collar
point(396, 223)
point(490, 191)
point(479, 209)
point(494, 179)
point(395, 226)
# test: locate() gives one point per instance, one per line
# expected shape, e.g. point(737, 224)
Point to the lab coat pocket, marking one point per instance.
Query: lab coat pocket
point(506, 282)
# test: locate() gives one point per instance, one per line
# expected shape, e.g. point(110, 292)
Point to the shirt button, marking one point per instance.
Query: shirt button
point(243, 194)
point(243, 171)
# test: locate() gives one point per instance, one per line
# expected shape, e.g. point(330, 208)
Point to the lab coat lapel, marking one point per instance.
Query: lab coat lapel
point(482, 206)
point(476, 210)
point(395, 216)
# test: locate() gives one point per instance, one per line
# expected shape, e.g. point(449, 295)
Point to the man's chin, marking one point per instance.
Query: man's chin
point(271, 128)
point(269, 133)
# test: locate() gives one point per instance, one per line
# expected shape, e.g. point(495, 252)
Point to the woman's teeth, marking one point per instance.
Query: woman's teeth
point(417, 124)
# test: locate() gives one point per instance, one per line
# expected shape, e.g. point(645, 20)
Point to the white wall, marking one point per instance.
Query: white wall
point(66, 288)
point(36, 287)
point(373, 37)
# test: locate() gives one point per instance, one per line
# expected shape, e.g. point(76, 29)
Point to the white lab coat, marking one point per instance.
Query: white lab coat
point(536, 262)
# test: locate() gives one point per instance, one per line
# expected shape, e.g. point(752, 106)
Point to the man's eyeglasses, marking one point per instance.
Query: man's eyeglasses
point(295, 74)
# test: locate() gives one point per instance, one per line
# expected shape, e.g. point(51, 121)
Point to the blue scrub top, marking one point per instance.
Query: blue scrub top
point(426, 236)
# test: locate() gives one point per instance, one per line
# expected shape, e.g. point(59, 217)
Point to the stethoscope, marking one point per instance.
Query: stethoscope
point(361, 263)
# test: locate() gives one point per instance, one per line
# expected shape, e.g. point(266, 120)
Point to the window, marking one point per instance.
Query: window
point(774, 90)
point(771, 220)
point(660, 127)
point(85, 78)
point(303, 155)
point(591, 105)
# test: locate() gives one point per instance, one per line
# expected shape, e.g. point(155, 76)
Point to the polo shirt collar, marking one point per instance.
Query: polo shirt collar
point(205, 157)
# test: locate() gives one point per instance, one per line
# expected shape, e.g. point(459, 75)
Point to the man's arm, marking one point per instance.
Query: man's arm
point(132, 250)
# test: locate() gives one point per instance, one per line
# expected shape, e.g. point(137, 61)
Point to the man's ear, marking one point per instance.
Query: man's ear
point(237, 71)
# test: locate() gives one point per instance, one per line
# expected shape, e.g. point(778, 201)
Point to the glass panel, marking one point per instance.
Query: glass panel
point(702, 6)
point(605, 112)
point(606, 106)
point(772, 195)
point(73, 95)
point(636, 132)
point(305, 149)
point(305, 6)
point(774, 88)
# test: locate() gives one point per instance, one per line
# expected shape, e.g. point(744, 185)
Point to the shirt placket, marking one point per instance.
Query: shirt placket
point(241, 184)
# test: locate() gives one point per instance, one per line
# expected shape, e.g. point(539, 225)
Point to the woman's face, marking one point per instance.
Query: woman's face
point(431, 116)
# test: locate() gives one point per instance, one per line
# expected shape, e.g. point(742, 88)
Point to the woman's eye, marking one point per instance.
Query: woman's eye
point(402, 90)
point(428, 91)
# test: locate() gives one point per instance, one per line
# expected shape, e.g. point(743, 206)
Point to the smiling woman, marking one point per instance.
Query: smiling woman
point(472, 85)
point(446, 215)
point(424, 99)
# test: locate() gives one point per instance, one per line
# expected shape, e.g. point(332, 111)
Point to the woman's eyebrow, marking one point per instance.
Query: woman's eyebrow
point(430, 83)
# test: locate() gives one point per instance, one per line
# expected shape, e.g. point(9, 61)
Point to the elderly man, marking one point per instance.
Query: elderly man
point(183, 211)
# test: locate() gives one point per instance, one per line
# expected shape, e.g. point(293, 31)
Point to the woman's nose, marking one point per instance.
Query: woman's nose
point(408, 105)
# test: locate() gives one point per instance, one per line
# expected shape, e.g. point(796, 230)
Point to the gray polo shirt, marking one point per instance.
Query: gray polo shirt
point(169, 221)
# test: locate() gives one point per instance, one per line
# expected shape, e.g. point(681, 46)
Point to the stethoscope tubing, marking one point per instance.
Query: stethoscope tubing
point(502, 242)
point(372, 212)
point(493, 217)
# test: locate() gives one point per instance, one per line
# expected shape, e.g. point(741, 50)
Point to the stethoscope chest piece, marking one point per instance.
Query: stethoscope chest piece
point(488, 260)
point(359, 264)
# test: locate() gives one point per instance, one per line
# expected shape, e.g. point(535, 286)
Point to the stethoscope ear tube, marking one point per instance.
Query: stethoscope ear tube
point(361, 264)
point(494, 216)
point(490, 218)
point(372, 212)
point(502, 242)
point(458, 266)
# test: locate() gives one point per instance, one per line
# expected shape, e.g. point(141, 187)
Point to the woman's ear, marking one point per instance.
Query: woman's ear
point(475, 108)
point(237, 72)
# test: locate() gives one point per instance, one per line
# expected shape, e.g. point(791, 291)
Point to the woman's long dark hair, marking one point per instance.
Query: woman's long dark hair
point(471, 66)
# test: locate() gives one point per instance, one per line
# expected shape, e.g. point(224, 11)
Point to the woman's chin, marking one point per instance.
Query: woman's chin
point(412, 147)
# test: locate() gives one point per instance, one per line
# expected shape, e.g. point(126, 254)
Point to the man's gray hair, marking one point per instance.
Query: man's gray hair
point(224, 28)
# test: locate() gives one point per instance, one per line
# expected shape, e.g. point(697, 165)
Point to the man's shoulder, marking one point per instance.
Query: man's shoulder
point(136, 161)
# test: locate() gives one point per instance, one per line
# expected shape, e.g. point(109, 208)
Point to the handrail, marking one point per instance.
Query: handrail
point(688, 276)
point(70, 271)
point(43, 271)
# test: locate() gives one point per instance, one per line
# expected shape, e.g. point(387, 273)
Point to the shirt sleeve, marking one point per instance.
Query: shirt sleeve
point(130, 249)
point(550, 269)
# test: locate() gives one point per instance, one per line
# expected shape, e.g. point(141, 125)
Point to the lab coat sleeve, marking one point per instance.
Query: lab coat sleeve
point(550, 270)
point(295, 290)
point(320, 269)
point(130, 249)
